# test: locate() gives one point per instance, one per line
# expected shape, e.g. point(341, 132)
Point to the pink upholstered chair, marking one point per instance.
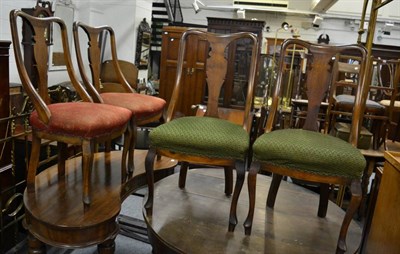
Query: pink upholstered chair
point(75, 123)
point(144, 108)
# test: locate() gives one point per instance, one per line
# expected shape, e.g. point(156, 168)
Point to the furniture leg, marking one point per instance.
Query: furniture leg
point(371, 161)
point(356, 196)
point(323, 200)
point(132, 126)
point(108, 247)
point(127, 143)
point(182, 174)
point(149, 167)
point(273, 190)
point(35, 246)
point(228, 171)
point(240, 174)
point(62, 156)
point(251, 184)
point(87, 164)
point(33, 163)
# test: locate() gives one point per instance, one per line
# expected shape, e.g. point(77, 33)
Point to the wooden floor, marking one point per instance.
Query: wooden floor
point(195, 220)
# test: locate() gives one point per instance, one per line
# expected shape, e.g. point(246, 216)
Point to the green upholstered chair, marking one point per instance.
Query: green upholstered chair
point(145, 108)
point(207, 140)
point(306, 153)
point(75, 123)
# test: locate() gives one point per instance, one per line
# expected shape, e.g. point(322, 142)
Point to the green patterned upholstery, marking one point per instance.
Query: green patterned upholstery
point(202, 136)
point(309, 151)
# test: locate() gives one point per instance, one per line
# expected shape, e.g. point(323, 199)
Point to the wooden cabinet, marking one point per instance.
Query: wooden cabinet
point(194, 90)
point(5, 158)
point(384, 232)
point(42, 9)
point(10, 196)
point(238, 56)
point(194, 69)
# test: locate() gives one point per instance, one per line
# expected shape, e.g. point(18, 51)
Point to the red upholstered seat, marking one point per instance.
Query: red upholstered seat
point(82, 119)
point(142, 106)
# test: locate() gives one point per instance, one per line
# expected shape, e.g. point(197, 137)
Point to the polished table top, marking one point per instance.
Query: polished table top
point(195, 220)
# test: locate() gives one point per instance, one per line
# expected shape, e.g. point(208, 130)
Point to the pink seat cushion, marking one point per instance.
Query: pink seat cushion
point(82, 119)
point(142, 106)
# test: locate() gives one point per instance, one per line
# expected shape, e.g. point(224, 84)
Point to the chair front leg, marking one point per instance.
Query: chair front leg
point(251, 185)
point(240, 174)
point(33, 162)
point(356, 195)
point(88, 148)
point(149, 167)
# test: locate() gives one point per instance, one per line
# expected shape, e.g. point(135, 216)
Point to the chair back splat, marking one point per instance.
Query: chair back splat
point(208, 139)
point(307, 153)
point(216, 69)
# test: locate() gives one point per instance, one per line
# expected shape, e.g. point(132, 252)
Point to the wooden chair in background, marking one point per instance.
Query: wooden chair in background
point(109, 78)
point(376, 115)
point(145, 109)
point(389, 98)
point(208, 139)
point(307, 154)
point(76, 123)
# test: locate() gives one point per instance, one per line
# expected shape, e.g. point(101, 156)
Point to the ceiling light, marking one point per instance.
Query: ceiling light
point(196, 7)
point(241, 13)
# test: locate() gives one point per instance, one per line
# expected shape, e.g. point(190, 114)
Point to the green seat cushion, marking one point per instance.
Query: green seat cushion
point(311, 152)
point(202, 136)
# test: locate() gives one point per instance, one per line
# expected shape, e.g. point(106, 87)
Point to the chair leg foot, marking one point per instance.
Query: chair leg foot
point(232, 226)
point(247, 230)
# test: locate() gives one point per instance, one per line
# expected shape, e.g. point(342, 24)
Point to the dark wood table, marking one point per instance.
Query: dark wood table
point(195, 220)
point(56, 215)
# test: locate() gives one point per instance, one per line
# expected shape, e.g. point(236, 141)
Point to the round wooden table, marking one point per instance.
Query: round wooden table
point(195, 219)
point(56, 215)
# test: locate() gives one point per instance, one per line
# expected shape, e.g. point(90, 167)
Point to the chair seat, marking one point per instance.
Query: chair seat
point(386, 103)
point(82, 119)
point(311, 152)
point(346, 99)
point(202, 136)
point(142, 106)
